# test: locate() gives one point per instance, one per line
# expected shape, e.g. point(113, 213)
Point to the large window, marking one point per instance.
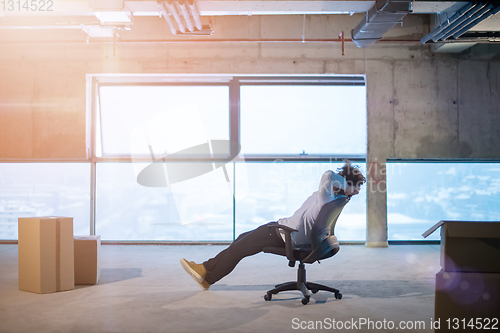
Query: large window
point(200, 160)
point(44, 189)
point(421, 194)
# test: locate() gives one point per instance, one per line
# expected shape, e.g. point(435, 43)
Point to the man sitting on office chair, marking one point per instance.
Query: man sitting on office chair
point(345, 183)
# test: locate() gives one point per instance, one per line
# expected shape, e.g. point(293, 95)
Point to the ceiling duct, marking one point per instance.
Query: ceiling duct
point(186, 15)
point(470, 15)
point(379, 19)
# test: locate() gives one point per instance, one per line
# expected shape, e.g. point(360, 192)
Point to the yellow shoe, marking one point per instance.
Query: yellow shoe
point(197, 272)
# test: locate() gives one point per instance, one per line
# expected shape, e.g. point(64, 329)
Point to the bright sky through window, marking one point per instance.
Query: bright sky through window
point(313, 119)
point(125, 108)
point(421, 194)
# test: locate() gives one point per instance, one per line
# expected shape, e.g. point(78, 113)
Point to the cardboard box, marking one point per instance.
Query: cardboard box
point(87, 259)
point(46, 258)
point(469, 246)
point(462, 298)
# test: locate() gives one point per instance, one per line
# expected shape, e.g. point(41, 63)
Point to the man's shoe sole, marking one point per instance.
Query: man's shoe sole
point(191, 271)
point(204, 287)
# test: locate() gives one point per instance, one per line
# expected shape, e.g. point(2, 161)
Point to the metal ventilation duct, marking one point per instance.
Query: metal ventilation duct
point(379, 19)
point(470, 15)
point(186, 14)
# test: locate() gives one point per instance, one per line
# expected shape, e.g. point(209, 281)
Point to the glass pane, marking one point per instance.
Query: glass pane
point(44, 189)
point(196, 209)
point(169, 118)
point(421, 194)
point(303, 119)
point(277, 190)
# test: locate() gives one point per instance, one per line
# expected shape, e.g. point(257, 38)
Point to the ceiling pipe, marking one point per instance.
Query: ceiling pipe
point(186, 16)
point(197, 41)
point(448, 22)
point(196, 14)
point(51, 27)
point(476, 22)
point(182, 41)
point(164, 13)
point(449, 30)
point(172, 10)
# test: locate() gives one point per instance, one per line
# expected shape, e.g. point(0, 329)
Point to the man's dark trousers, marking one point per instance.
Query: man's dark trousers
point(247, 244)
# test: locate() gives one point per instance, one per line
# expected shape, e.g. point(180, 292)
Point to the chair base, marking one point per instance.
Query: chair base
point(301, 285)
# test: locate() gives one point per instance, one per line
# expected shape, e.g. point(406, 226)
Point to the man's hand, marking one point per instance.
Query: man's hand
point(352, 190)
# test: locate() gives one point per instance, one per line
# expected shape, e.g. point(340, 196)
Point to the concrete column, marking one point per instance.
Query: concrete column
point(380, 123)
point(376, 207)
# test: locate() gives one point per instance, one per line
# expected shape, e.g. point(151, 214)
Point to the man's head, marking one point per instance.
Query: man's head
point(354, 178)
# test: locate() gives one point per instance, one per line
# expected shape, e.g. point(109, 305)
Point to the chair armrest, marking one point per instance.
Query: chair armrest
point(284, 227)
point(288, 241)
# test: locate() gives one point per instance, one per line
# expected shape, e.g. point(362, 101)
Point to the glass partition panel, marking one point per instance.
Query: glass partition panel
point(277, 189)
point(421, 194)
point(196, 209)
point(44, 189)
point(315, 119)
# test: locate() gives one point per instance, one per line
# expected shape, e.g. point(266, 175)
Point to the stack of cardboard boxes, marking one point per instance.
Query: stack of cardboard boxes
point(51, 259)
point(468, 285)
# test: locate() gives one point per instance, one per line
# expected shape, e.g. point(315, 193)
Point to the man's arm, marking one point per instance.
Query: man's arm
point(330, 181)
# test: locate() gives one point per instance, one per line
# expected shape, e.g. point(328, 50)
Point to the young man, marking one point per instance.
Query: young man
point(345, 183)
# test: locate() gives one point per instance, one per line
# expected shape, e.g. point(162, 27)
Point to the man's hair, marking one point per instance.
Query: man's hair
point(352, 174)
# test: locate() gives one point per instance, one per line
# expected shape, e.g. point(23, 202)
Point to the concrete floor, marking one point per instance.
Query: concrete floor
point(145, 289)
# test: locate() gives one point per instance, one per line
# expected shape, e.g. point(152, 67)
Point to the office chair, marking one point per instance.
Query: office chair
point(324, 245)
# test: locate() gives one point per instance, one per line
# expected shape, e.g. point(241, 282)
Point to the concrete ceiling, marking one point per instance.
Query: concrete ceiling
point(228, 7)
point(83, 14)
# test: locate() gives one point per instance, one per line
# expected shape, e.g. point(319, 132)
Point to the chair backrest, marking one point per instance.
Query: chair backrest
point(324, 244)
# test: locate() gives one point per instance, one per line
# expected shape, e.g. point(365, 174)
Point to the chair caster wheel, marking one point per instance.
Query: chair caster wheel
point(305, 300)
point(338, 295)
point(268, 297)
point(314, 291)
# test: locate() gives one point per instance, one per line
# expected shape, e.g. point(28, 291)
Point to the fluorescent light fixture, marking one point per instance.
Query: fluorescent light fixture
point(114, 17)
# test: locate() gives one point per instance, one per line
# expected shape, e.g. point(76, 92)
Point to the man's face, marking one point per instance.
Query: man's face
point(352, 190)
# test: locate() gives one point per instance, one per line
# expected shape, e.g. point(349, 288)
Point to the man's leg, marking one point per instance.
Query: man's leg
point(247, 244)
point(211, 263)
